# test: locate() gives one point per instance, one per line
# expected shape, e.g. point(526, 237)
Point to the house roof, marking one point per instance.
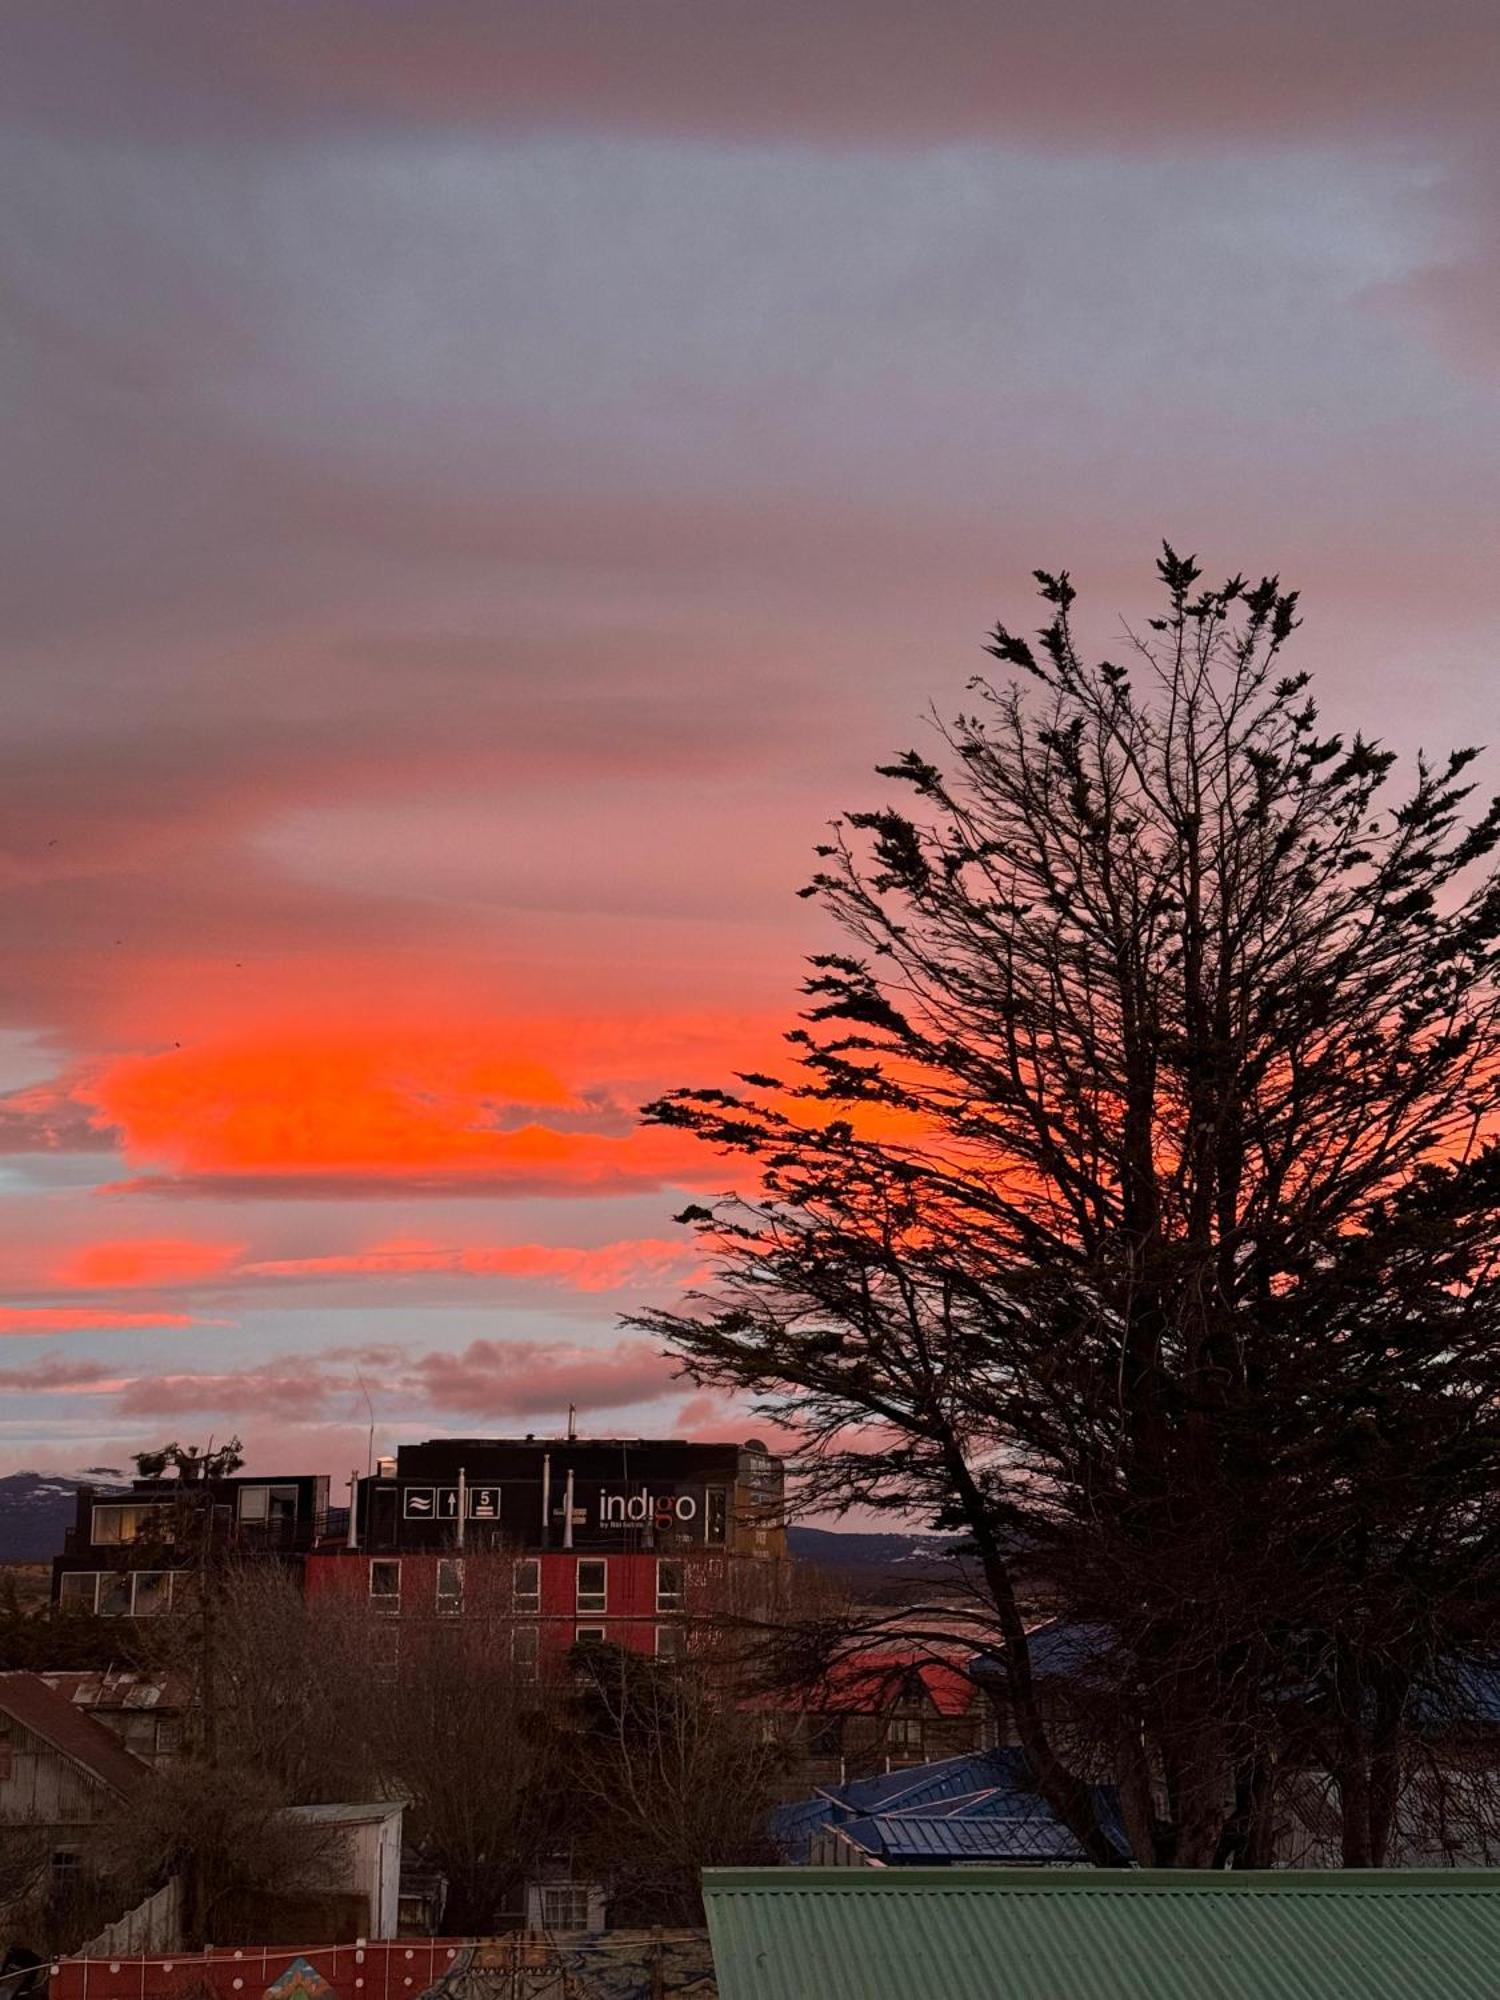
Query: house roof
point(985, 1798)
point(1101, 1934)
point(119, 1688)
point(27, 1699)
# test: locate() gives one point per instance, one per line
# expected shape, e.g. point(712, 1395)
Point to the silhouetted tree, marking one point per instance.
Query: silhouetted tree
point(1131, 1204)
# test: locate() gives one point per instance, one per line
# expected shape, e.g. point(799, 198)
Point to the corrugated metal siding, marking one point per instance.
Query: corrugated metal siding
point(863, 1934)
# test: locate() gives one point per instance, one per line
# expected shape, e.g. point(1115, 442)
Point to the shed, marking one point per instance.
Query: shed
point(1131, 1934)
point(372, 1856)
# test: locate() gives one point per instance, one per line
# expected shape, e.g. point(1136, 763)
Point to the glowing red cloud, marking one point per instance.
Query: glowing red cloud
point(446, 1103)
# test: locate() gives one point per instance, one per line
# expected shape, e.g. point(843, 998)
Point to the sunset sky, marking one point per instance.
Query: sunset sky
point(485, 480)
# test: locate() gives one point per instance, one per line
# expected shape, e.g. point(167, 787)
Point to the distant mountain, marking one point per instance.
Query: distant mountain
point(36, 1511)
point(874, 1558)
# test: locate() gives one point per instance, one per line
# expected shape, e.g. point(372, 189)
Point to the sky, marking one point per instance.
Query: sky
point(484, 481)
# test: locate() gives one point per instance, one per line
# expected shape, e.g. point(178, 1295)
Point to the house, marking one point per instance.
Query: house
point(61, 1774)
point(887, 1708)
point(59, 1768)
point(1101, 1934)
point(958, 1812)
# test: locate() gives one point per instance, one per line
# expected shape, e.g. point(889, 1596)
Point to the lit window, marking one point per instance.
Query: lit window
point(450, 1586)
point(528, 1585)
point(525, 1647)
point(669, 1586)
point(113, 1525)
point(79, 1590)
point(385, 1586)
point(593, 1586)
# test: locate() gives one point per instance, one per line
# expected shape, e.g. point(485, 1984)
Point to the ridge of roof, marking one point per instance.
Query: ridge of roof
point(72, 1732)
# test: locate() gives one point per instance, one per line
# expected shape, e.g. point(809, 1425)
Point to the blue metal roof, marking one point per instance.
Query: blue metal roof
point(900, 1815)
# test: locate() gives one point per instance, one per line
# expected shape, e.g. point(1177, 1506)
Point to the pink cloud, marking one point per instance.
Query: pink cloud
point(86, 1319)
point(610, 1267)
point(144, 1261)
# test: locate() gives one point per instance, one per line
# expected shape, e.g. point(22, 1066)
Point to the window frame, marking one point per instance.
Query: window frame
point(385, 1600)
point(595, 1602)
point(526, 1600)
point(576, 1892)
point(671, 1599)
point(526, 1659)
point(450, 1602)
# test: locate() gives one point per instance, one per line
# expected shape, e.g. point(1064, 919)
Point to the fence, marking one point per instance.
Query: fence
point(401, 1969)
point(155, 1925)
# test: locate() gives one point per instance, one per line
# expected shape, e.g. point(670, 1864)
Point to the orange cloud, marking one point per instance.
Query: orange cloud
point(84, 1319)
point(440, 1104)
point(149, 1261)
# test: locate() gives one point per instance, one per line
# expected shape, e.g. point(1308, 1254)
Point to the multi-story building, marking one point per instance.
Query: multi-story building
point(624, 1540)
point(627, 1540)
point(130, 1554)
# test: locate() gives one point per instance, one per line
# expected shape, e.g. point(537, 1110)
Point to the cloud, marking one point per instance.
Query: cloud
point(87, 1319)
point(491, 1379)
point(337, 1109)
point(609, 1267)
point(144, 1262)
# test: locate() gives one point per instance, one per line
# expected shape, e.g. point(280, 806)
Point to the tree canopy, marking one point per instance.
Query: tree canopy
point(1130, 1201)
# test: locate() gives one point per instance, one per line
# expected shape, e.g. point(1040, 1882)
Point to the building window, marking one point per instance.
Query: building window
point(79, 1590)
point(112, 1526)
point(669, 1642)
point(669, 1593)
point(825, 1736)
point(588, 1635)
point(115, 1593)
point(905, 1732)
point(450, 1586)
point(66, 1862)
point(385, 1586)
point(528, 1585)
point(525, 1650)
point(153, 1592)
point(268, 1506)
point(565, 1906)
point(7, 1747)
point(716, 1516)
point(593, 1586)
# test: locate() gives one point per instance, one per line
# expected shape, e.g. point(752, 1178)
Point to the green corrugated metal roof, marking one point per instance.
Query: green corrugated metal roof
point(1101, 1934)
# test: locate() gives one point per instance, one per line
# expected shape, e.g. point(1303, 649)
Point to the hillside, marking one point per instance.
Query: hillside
point(36, 1511)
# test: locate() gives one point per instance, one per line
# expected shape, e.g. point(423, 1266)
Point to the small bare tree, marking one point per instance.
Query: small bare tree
point(667, 1778)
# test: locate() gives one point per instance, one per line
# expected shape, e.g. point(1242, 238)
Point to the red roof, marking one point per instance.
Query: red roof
point(872, 1683)
point(27, 1699)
